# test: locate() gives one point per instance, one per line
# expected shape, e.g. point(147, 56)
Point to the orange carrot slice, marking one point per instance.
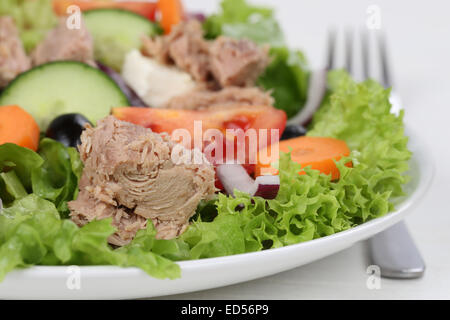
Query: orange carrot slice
point(317, 152)
point(18, 126)
point(172, 13)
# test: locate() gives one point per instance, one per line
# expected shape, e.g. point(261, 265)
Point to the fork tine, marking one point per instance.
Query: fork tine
point(365, 53)
point(331, 49)
point(385, 75)
point(348, 50)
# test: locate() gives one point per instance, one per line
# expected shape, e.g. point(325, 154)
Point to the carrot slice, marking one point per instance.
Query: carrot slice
point(18, 126)
point(172, 13)
point(317, 152)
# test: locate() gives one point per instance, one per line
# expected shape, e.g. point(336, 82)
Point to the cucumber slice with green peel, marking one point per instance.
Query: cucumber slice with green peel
point(116, 32)
point(56, 88)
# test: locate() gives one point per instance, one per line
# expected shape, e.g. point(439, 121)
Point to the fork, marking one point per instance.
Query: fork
point(392, 250)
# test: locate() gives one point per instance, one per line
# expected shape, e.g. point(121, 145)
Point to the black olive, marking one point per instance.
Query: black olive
point(67, 129)
point(293, 131)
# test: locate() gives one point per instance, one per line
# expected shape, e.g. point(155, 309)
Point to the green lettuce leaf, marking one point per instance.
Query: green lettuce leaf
point(53, 173)
point(26, 229)
point(16, 166)
point(240, 20)
point(11, 187)
point(33, 233)
point(221, 237)
point(57, 179)
point(21, 160)
point(288, 77)
point(259, 29)
point(234, 12)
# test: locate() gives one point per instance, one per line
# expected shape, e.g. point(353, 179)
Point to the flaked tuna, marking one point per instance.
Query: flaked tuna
point(63, 43)
point(237, 62)
point(220, 63)
point(203, 99)
point(130, 175)
point(13, 59)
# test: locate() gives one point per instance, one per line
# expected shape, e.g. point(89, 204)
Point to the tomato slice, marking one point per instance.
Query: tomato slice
point(238, 128)
point(146, 9)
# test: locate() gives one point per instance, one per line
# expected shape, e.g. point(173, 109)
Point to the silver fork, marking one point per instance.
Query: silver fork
point(393, 250)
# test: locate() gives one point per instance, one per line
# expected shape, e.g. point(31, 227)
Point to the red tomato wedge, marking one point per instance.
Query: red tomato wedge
point(267, 124)
point(146, 9)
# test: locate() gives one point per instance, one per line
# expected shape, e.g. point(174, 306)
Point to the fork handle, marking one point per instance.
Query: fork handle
point(394, 251)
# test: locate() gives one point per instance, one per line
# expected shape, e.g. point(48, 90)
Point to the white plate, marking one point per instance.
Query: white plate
point(106, 282)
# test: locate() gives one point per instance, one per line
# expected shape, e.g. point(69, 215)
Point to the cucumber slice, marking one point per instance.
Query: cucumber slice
point(116, 32)
point(55, 88)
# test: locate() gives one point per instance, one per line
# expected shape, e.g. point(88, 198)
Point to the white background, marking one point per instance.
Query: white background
point(418, 38)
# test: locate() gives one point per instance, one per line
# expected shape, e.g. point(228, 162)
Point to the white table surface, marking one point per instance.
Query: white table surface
point(418, 39)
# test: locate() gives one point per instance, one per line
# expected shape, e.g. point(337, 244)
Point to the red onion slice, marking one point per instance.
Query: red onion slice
point(267, 186)
point(197, 16)
point(234, 176)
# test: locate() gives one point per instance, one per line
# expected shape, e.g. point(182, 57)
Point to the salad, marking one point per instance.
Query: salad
point(147, 135)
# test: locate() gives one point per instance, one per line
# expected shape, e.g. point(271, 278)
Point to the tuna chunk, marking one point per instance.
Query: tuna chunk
point(185, 47)
point(203, 99)
point(222, 62)
point(130, 175)
point(237, 62)
point(63, 43)
point(87, 208)
point(13, 59)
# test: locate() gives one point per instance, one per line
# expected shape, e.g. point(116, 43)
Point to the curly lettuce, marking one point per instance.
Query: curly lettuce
point(311, 206)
